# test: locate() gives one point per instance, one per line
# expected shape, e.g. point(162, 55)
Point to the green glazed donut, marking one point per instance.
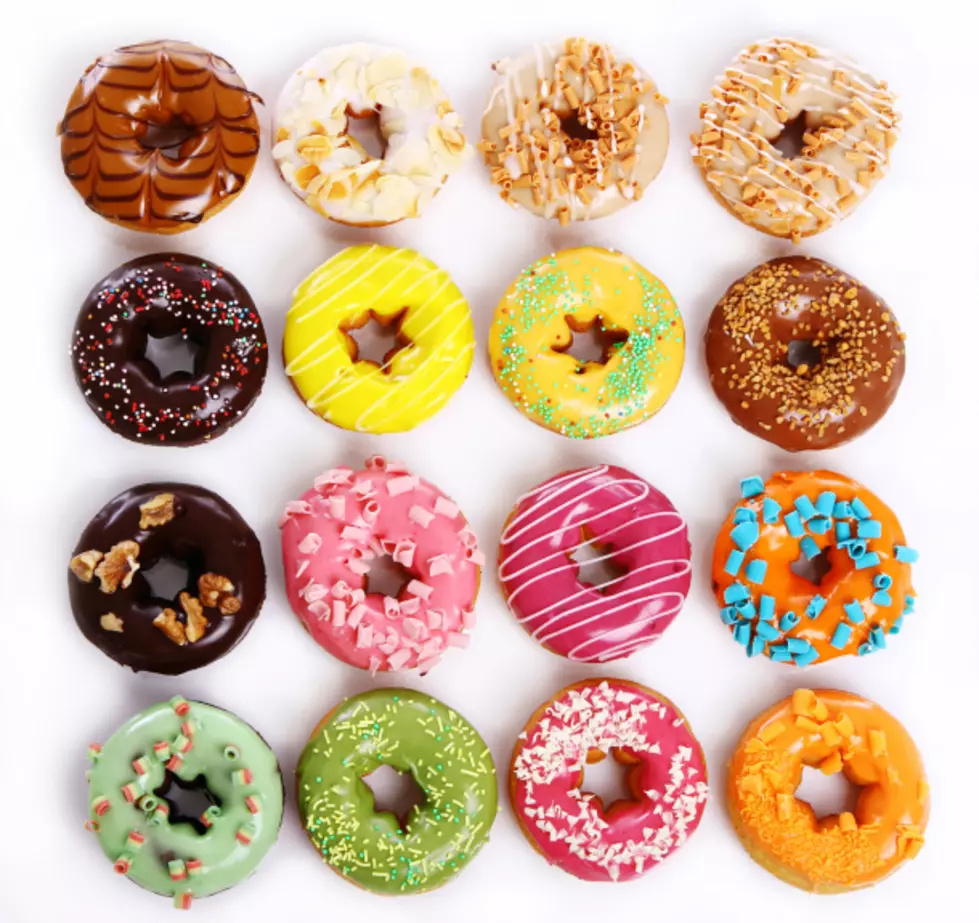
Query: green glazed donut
point(411, 733)
point(140, 778)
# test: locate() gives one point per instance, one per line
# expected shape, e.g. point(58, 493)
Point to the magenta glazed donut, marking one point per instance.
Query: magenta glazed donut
point(336, 531)
point(667, 780)
point(640, 534)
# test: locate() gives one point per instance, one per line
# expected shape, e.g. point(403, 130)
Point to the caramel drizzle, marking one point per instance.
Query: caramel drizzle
point(97, 155)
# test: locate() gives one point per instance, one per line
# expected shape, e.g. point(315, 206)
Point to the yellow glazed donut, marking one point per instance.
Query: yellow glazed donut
point(330, 170)
point(570, 292)
point(392, 286)
point(850, 128)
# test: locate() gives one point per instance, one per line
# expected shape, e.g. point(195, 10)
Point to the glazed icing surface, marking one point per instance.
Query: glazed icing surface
point(647, 539)
point(851, 127)
point(536, 163)
point(135, 827)
point(836, 732)
point(413, 733)
point(391, 285)
point(572, 828)
point(575, 290)
point(348, 519)
point(330, 170)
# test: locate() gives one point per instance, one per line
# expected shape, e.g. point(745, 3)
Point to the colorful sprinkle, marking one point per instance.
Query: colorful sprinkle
point(843, 532)
point(905, 555)
point(232, 753)
point(881, 598)
point(770, 510)
point(788, 622)
point(766, 608)
point(756, 646)
point(735, 593)
point(767, 631)
point(141, 765)
point(93, 751)
point(182, 900)
point(136, 840)
point(123, 864)
point(860, 509)
point(752, 487)
point(743, 514)
point(742, 633)
point(132, 791)
point(177, 869)
point(805, 658)
point(797, 645)
point(729, 615)
point(161, 750)
point(195, 868)
point(793, 522)
point(242, 777)
point(805, 507)
point(809, 548)
point(877, 637)
point(734, 561)
point(779, 653)
point(745, 534)
point(755, 571)
point(870, 559)
point(854, 612)
point(180, 705)
point(245, 834)
point(841, 637)
point(826, 503)
point(815, 607)
point(100, 806)
point(869, 528)
point(251, 802)
point(883, 582)
point(820, 526)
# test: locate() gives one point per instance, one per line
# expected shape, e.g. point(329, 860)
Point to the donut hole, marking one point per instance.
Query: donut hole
point(813, 570)
point(827, 795)
point(167, 577)
point(590, 342)
point(803, 356)
point(575, 129)
point(172, 355)
point(386, 577)
point(595, 565)
point(187, 800)
point(395, 793)
point(790, 143)
point(365, 129)
point(166, 132)
point(608, 779)
point(376, 338)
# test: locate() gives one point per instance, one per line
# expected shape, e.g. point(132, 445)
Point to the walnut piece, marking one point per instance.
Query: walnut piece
point(168, 623)
point(196, 620)
point(157, 512)
point(111, 622)
point(118, 567)
point(217, 592)
point(83, 565)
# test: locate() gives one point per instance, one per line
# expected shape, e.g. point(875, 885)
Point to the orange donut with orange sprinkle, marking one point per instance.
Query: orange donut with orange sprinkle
point(836, 732)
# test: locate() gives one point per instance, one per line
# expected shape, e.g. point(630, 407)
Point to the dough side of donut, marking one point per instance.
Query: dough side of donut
point(330, 170)
point(532, 159)
point(851, 126)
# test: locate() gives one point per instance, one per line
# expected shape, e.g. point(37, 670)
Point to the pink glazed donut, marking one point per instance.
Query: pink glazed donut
point(350, 518)
point(605, 507)
point(667, 780)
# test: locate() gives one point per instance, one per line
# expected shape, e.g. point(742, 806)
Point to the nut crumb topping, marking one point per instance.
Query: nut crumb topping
point(170, 625)
point(118, 567)
point(196, 620)
point(83, 565)
point(111, 622)
point(217, 592)
point(157, 512)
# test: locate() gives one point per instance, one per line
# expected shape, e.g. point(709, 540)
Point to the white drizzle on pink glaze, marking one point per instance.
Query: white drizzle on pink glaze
point(349, 518)
point(540, 578)
point(570, 827)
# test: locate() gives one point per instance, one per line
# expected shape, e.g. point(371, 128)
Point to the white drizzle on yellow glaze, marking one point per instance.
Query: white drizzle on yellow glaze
point(535, 162)
point(850, 122)
point(330, 170)
point(412, 384)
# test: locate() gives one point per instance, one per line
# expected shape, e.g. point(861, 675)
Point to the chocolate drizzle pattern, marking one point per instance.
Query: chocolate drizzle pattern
point(164, 295)
point(107, 145)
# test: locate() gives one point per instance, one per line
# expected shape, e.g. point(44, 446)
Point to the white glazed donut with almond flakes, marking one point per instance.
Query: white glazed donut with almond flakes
point(330, 170)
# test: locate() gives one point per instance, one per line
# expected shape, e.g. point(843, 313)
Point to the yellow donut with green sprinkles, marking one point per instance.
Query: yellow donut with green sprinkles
point(637, 343)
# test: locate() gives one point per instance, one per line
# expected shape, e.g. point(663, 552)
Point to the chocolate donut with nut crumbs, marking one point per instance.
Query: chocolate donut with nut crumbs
point(163, 297)
point(803, 355)
point(136, 620)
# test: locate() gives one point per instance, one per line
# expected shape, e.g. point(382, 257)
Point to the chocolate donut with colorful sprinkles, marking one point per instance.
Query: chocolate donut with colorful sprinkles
point(173, 300)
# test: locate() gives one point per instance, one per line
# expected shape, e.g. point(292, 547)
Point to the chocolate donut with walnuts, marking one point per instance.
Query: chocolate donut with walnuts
point(114, 602)
point(803, 355)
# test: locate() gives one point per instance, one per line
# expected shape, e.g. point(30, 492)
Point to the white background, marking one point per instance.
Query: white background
point(913, 241)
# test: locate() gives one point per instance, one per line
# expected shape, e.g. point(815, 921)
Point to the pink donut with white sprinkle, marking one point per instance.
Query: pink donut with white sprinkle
point(351, 518)
point(646, 540)
point(667, 780)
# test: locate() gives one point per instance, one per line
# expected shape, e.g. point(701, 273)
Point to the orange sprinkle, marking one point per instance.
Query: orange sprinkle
point(771, 731)
point(878, 743)
point(832, 763)
point(848, 822)
point(830, 734)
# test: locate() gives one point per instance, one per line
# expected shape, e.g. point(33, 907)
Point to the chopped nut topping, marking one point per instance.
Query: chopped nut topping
point(196, 620)
point(157, 512)
point(168, 623)
point(111, 622)
point(83, 565)
point(118, 567)
point(217, 592)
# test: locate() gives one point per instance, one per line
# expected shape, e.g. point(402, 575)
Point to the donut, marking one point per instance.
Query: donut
point(572, 292)
point(637, 530)
point(159, 136)
point(135, 808)
point(157, 297)
point(112, 596)
point(667, 779)
point(803, 355)
point(848, 126)
point(391, 286)
point(811, 566)
point(414, 734)
point(572, 131)
point(836, 732)
point(330, 170)
point(349, 520)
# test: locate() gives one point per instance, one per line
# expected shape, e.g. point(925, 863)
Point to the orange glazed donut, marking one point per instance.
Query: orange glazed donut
point(838, 732)
point(811, 566)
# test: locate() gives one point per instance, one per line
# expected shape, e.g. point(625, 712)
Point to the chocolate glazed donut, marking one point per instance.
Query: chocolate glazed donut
point(159, 136)
point(803, 355)
point(162, 296)
point(114, 603)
